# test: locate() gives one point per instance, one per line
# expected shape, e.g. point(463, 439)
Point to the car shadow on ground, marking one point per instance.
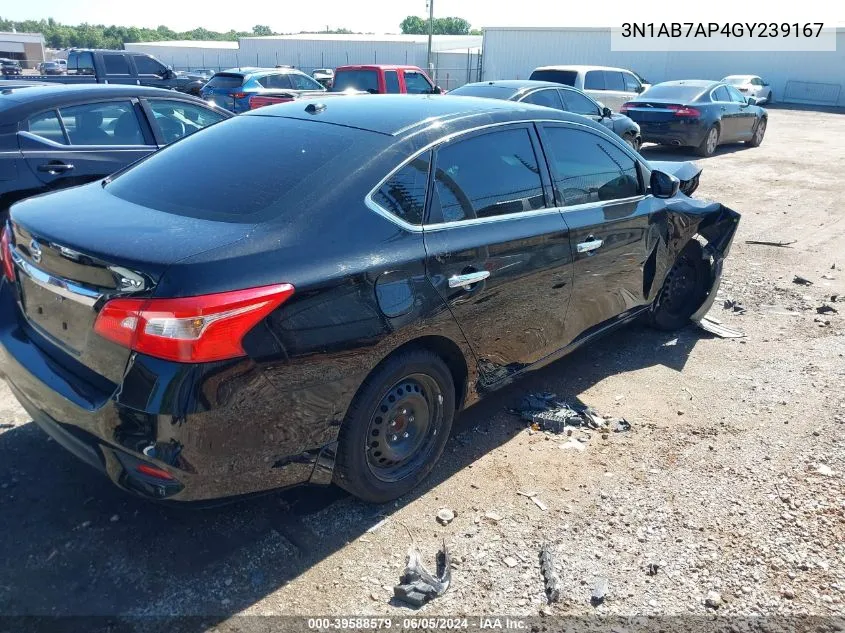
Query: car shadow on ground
point(73, 544)
point(682, 154)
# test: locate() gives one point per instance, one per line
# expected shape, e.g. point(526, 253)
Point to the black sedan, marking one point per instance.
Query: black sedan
point(554, 95)
point(10, 67)
point(215, 320)
point(697, 113)
point(55, 136)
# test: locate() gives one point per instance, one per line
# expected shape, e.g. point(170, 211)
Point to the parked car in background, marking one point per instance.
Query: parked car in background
point(10, 67)
point(199, 336)
point(610, 86)
point(232, 89)
point(90, 66)
point(324, 75)
point(52, 68)
point(751, 86)
point(271, 97)
point(193, 82)
point(58, 136)
point(384, 79)
point(205, 73)
point(697, 113)
point(557, 96)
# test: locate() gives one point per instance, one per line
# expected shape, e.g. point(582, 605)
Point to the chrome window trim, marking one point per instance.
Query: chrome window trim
point(57, 285)
point(419, 228)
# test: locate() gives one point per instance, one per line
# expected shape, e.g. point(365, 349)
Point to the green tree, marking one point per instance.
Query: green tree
point(261, 29)
point(413, 25)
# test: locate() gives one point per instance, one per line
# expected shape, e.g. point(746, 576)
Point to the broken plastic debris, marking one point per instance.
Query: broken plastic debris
point(710, 325)
point(546, 412)
point(801, 281)
point(376, 526)
point(599, 592)
point(551, 581)
point(826, 309)
point(417, 585)
point(539, 504)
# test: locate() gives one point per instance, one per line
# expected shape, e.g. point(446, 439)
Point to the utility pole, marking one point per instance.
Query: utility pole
point(430, 31)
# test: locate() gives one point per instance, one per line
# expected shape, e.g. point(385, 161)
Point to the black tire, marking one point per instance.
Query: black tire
point(684, 289)
point(708, 146)
point(759, 133)
point(770, 99)
point(367, 436)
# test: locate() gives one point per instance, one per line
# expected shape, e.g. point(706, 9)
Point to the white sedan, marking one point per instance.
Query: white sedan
point(751, 86)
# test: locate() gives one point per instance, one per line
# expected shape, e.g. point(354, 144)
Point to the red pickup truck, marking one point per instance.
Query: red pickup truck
point(384, 79)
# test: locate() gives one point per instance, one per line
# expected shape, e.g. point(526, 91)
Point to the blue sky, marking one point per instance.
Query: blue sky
point(384, 16)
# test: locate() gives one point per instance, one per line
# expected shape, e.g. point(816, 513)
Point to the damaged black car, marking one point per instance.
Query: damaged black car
point(217, 320)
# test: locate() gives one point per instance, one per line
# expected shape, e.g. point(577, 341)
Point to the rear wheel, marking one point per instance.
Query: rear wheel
point(684, 289)
point(759, 133)
point(710, 142)
point(397, 426)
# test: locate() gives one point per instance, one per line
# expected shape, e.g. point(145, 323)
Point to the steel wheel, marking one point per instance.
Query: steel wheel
point(403, 429)
point(681, 288)
point(712, 140)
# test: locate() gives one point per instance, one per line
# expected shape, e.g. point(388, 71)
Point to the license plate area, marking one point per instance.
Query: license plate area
point(65, 320)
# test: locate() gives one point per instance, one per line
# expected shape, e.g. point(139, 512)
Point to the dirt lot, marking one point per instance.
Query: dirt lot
point(730, 480)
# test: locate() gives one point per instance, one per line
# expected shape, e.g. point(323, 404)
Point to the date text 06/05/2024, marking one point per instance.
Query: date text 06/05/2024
point(727, 29)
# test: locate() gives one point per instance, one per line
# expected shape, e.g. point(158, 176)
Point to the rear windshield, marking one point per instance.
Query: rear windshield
point(218, 174)
point(225, 81)
point(491, 92)
point(566, 77)
point(676, 93)
point(736, 81)
point(356, 79)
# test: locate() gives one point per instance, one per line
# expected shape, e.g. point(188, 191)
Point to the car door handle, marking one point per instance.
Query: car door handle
point(589, 245)
point(55, 168)
point(467, 280)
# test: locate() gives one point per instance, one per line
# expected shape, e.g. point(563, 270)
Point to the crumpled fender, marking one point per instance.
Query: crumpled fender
point(718, 228)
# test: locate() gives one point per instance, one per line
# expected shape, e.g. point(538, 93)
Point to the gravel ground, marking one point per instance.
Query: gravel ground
point(727, 495)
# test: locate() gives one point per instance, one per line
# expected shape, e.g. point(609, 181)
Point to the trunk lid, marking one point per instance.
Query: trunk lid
point(75, 250)
point(652, 111)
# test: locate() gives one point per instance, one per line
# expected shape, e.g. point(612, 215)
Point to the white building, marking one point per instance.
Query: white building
point(27, 48)
point(455, 57)
point(796, 77)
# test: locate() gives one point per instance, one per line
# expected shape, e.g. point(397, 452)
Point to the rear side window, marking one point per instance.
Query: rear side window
point(403, 194)
point(80, 64)
point(578, 103)
point(147, 65)
point(721, 94)
point(566, 77)
point(280, 81)
point(594, 80)
point(225, 81)
point(548, 98)
point(391, 80)
point(219, 175)
point(735, 95)
point(109, 123)
point(356, 80)
point(587, 168)
point(116, 64)
point(46, 125)
point(487, 175)
point(175, 119)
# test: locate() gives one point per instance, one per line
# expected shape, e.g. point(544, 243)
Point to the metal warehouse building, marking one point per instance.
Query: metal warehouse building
point(28, 48)
point(456, 58)
point(796, 77)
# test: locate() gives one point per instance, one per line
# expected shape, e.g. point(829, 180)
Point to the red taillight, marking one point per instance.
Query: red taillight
point(260, 102)
point(152, 471)
point(6, 256)
point(684, 111)
point(626, 106)
point(237, 95)
point(191, 329)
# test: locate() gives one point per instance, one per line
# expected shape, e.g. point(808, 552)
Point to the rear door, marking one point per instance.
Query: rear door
point(85, 142)
point(599, 186)
point(497, 249)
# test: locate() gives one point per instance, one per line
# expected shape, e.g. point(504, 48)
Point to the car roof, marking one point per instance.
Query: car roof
point(47, 95)
point(517, 84)
point(404, 115)
point(378, 67)
point(694, 83)
point(580, 68)
point(740, 77)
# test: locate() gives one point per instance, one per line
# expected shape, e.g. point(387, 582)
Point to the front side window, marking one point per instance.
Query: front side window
point(486, 175)
point(148, 66)
point(403, 194)
point(80, 63)
point(631, 83)
point(613, 80)
point(415, 83)
point(116, 64)
point(176, 119)
point(304, 82)
point(586, 168)
point(594, 80)
point(47, 125)
point(391, 81)
point(577, 103)
point(548, 98)
point(110, 123)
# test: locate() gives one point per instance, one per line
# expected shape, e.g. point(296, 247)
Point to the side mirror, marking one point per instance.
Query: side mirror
point(751, 100)
point(606, 112)
point(437, 90)
point(664, 185)
point(640, 89)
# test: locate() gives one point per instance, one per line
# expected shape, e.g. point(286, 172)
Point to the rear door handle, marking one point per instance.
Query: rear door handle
point(589, 245)
point(467, 280)
point(55, 168)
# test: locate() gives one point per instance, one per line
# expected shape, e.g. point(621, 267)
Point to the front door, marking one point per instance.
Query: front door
point(745, 117)
point(498, 250)
point(600, 190)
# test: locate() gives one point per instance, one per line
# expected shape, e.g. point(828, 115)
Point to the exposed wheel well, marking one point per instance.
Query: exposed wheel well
point(451, 354)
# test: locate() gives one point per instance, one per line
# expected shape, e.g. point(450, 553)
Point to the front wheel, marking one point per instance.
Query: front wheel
point(397, 426)
point(684, 289)
point(632, 142)
point(710, 142)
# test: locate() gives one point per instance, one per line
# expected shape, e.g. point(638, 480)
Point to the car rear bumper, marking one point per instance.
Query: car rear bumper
point(217, 431)
point(690, 133)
